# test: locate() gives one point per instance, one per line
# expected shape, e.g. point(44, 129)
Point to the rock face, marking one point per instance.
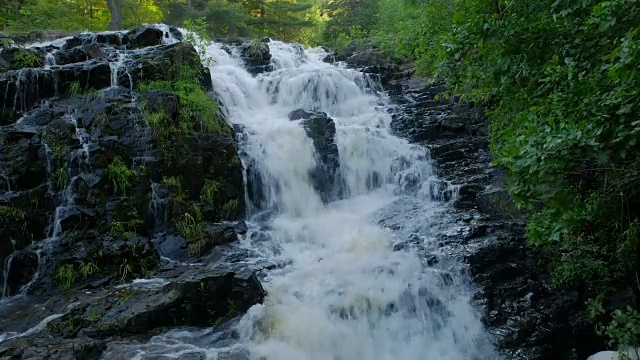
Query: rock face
point(528, 318)
point(322, 131)
point(257, 56)
point(105, 168)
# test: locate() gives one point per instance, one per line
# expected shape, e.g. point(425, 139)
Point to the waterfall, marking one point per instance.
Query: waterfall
point(339, 289)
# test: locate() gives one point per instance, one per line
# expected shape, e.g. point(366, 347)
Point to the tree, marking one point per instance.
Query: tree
point(115, 7)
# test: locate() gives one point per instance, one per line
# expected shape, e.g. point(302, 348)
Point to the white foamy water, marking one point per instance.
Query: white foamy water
point(345, 293)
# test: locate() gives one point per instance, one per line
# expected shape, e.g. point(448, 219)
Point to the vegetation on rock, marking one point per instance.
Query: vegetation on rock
point(121, 176)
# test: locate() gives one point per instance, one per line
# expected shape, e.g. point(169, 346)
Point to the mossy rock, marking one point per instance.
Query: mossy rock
point(196, 298)
point(164, 64)
point(16, 58)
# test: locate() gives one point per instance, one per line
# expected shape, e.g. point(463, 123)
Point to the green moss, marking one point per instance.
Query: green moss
point(11, 213)
point(150, 85)
point(171, 181)
point(121, 176)
point(256, 50)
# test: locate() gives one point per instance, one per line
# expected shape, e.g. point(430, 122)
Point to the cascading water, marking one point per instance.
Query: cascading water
point(343, 293)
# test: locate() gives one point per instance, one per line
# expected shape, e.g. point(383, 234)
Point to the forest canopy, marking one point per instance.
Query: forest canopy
point(293, 20)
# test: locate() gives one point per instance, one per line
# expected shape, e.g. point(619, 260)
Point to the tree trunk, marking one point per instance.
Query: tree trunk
point(115, 7)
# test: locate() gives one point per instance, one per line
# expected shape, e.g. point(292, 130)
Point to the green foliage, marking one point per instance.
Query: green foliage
point(623, 331)
point(12, 213)
point(191, 227)
point(87, 269)
point(172, 181)
point(230, 208)
point(24, 58)
point(349, 20)
point(65, 276)
point(121, 176)
point(124, 228)
point(125, 270)
point(209, 192)
point(198, 37)
point(254, 50)
point(60, 178)
point(75, 89)
point(28, 15)
point(197, 110)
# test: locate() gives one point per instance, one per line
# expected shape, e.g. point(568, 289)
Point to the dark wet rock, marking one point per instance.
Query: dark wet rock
point(224, 233)
point(74, 55)
point(50, 347)
point(33, 36)
point(163, 63)
point(108, 38)
point(257, 57)
point(366, 58)
point(22, 266)
point(22, 154)
point(21, 89)
point(496, 202)
point(196, 298)
point(527, 317)
point(173, 247)
point(322, 130)
point(145, 36)
point(79, 54)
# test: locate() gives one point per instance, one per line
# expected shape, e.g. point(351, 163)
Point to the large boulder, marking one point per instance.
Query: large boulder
point(114, 39)
point(20, 270)
point(196, 298)
point(162, 64)
point(322, 131)
point(257, 57)
point(145, 36)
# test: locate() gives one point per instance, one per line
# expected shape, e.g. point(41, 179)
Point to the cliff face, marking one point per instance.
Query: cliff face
point(115, 164)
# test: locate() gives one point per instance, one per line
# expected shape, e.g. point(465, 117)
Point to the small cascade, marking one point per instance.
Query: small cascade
point(5, 274)
point(158, 207)
point(49, 60)
point(116, 67)
point(66, 204)
point(47, 154)
point(82, 154)
point(168, 38)
point(145, 154)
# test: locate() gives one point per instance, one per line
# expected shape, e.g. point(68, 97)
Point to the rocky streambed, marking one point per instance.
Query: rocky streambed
point(123, 199)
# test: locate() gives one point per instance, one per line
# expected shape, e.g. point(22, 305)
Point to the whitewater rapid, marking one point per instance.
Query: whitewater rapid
point(341, 292)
